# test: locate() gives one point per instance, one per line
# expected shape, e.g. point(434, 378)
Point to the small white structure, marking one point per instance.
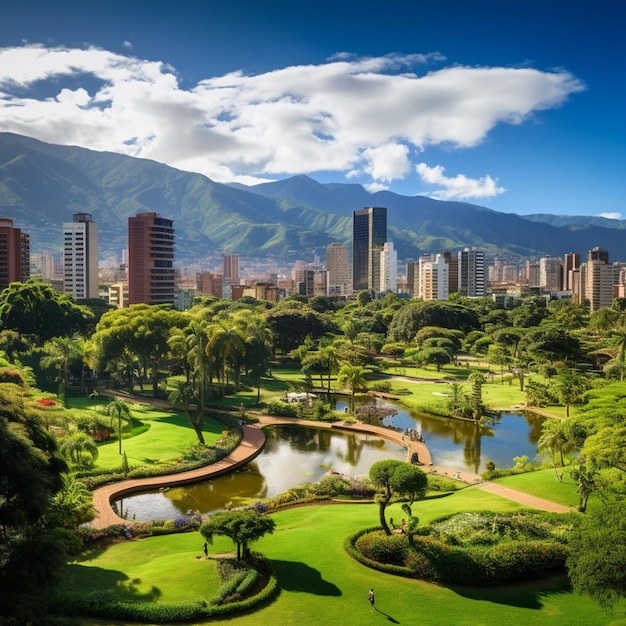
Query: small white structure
point(300, 397)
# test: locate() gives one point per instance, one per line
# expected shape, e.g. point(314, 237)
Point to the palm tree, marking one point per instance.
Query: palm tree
point(61, 351)
point(554, 441)
point(569, 385)
point(227, 344)
point(183, 396)
point(79, 448)
point(353, 376)
point(200, 359)
point(120, 409)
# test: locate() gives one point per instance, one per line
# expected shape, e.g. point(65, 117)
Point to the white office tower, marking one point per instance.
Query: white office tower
point(388, 268)
point(472, 273)
point(80, 257)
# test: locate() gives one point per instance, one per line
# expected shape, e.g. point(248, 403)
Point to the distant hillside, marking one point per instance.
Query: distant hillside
point(42, 185)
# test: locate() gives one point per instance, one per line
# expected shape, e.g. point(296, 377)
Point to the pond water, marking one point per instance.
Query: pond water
point(293, 455)
point(465, 445)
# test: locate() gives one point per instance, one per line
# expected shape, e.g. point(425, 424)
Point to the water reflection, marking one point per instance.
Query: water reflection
point(465, 445)
point(292, 456)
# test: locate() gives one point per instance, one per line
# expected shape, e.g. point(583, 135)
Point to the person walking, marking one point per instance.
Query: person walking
point(372, 600)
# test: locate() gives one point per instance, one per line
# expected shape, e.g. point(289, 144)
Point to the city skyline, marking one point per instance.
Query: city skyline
point(515, 107)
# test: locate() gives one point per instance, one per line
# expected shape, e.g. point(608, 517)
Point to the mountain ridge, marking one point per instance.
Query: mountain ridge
point(42, 185)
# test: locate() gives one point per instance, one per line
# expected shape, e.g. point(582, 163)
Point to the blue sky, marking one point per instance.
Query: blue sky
point(518, 106)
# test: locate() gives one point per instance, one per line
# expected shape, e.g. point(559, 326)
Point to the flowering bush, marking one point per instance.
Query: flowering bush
point(46, 402)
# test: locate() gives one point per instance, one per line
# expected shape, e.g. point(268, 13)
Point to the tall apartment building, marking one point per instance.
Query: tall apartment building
point(80, 257)
point(433, 278)
point(150, 259)
point(599, 279)
point(338, 266)
point(410, 278)
point(14, 254)
point(550, 273)
point(452, 260)
point(209, 284)
point(472, 273)
point(388, 269)
point(571, 263)
point(231, 269)
point(369, 235)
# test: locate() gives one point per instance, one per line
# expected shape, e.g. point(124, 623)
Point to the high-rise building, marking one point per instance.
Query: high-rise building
point(453, 271)
point(550, 273)
point(599, 277)
point(472, 273)
point(433, 278)
point(14, 254)
point(571, 263)
point(369, 235)
point(388, 269)
point(150, 259)
point(231, 269)
point(209, 284)
point(80, 257)
point(338, 266)
point(410, 278)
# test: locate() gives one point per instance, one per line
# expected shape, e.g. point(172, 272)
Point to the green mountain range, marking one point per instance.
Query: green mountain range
point(42, 185)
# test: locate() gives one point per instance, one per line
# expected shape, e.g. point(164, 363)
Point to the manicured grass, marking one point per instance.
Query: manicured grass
point(167, 436)
point(321, 584)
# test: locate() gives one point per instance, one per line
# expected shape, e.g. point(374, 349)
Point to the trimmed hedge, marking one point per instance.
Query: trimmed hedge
point(480, 563)
point(107, 605)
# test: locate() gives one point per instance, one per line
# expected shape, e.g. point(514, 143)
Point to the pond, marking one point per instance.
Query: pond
point(293, 455)
point(465, 445)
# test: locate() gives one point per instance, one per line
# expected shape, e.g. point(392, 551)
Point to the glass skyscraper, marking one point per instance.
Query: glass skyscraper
point(369, 235)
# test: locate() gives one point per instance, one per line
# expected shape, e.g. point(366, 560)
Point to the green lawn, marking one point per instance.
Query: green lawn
point(167, 436)
point(321, 584)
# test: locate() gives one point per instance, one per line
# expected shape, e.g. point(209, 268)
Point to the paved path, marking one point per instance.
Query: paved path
point(524, 498)
point(252, 445)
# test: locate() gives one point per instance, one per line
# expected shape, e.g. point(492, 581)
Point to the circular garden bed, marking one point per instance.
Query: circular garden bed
point(471, 548)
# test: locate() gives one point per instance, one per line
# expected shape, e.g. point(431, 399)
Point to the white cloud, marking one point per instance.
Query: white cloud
point(351, 115)
point(611, 216)
point(459, 187)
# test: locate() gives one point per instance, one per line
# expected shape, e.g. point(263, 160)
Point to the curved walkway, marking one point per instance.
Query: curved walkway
point(524, 498)
point(252, 445)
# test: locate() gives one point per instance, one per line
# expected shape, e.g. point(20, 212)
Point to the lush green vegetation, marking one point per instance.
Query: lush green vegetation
point(457, 359)
point(327, 586)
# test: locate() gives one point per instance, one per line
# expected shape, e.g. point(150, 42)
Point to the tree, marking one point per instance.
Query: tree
point(477, 380)
point(433, 356)
point(79, 448)
point(227, 344)
point(120, 409)
point(396, 478)
point(34, 309)
point(31, 474)
point(61, 351)
point(554, 441)
point(183, 396)
point(352, 376)
point(597, 555)
point(243, 527)
point(569, 385)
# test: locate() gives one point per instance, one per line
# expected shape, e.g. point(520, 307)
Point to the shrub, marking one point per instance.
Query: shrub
point(393, 549)
point(281, 409)
point(8, 375)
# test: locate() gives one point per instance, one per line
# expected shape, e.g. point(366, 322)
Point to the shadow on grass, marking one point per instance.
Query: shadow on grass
point(393, 620)
point(527, 595)
point(297, 576)
point(82, 579)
